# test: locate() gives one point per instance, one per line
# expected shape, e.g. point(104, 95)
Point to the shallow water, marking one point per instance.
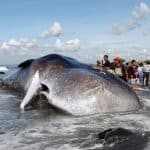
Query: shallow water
point(43, 128)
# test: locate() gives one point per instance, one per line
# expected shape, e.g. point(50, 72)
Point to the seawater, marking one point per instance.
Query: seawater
point(43, 128)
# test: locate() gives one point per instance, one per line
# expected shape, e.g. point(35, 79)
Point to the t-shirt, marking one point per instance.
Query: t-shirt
point(107, 64)
point(132, 71)
point(140, 70)
point(146, 68)
point(118, 71)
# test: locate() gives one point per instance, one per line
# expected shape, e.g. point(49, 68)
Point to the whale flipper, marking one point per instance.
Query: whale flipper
point(32, 90)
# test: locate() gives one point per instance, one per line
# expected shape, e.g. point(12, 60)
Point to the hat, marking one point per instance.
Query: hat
point(117, 58)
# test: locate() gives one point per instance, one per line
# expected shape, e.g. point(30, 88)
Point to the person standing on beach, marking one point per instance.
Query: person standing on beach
point(133, 73)
point(140, 73)
point(133, 69)
point(119, 69)
point(146, 73)
point(104, 64)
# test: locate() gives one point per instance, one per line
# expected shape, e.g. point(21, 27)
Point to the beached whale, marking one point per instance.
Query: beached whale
point(72, 86)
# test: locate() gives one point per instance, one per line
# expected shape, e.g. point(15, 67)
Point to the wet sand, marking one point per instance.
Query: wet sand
point(43, 128)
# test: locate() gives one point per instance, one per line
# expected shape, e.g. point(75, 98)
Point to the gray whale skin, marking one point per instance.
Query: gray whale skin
point(72, 86)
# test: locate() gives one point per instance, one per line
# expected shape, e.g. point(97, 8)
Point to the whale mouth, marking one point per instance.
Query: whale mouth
point(44, 91)
point(45, 94)
point(44, 88)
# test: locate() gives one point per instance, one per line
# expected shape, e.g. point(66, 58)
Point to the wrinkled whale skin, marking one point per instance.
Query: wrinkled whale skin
point(73, 86)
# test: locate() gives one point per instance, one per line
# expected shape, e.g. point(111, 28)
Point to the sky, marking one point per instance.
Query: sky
point(82, 29)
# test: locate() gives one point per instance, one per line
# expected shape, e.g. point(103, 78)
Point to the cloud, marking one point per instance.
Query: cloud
point(70, 45)
point(55, 30)
point(141, 11)
point(127, 49)
point(17, 47)
point(146, 32)
point(26, 48)
point(138, 15)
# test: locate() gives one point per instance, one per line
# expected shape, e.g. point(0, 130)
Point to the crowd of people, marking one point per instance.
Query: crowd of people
point(133, 72)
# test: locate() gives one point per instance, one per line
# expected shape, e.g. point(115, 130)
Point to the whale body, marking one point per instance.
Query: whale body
point(72, 86)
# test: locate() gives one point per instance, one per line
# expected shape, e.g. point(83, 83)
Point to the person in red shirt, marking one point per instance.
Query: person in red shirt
point(133, 70)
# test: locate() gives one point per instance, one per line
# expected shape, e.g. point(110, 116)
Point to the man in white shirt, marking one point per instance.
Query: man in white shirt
point(146, 73)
